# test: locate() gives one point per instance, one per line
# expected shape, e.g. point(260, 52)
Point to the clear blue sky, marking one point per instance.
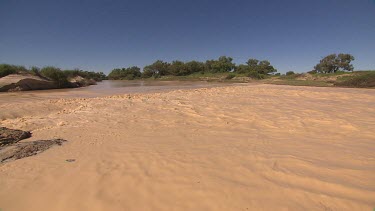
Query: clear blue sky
point(101, 35)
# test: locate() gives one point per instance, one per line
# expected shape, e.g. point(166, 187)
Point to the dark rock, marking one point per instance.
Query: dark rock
point(26, 149)
point(10, 136)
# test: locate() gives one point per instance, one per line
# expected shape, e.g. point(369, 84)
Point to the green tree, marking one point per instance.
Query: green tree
point(177, 68)
point(130, 73)
point(252, 63)
point(242, 68)
point(265, 67)
point(158, 68)
point(194, 67)
point(223, 64)
point(333, 63)
point(289, 73)
point(254, 67)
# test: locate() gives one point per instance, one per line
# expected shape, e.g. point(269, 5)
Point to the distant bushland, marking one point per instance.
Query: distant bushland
point(253, 68)
point(130, 73)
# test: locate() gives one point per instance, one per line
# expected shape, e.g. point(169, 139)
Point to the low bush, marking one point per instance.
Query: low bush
point(289, 73)
point(7, 69)
point(55, 74)
point(256, 75)
point(230, 76)
point(361, 80)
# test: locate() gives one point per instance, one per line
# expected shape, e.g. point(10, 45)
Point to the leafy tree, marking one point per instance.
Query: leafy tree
point(178, 68)
point(259, 67)
point(223, 64)
point(333, 63)
point(242, 68)
point(194, 67)
point(289, 73)
point(130, 73)
point(265, 67)
point(158, 68)
point(253, 63)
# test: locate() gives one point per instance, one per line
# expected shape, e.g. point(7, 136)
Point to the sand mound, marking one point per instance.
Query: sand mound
point(79, 81)
point(25, 82)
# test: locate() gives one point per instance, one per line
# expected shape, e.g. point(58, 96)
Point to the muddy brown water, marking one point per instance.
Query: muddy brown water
point(106, 88)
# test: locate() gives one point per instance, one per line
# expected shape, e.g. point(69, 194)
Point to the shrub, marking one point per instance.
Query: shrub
point(362, 80)
point(130, 73)
point(289, 73)
point(256, 75)
point(312, 72)
point(6, 69)
point(230, 76)
point(56, 75)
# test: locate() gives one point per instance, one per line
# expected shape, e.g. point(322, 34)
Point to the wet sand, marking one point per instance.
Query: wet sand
point(252, 147)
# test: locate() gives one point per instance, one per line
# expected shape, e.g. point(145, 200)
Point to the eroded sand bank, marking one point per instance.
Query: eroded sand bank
point(257, 147)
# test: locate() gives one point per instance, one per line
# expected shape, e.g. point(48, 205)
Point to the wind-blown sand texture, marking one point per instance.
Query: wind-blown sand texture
point(253, 147)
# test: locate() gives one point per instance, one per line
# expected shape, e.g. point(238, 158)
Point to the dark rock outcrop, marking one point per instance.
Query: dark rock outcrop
point(10, 149)
point(26, 149)
point(10, 136)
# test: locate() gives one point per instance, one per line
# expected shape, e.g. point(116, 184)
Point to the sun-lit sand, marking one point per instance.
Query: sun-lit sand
point(246, 147)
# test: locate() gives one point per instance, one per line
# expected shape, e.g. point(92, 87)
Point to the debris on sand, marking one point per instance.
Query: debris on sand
point(11, 150)
point(26, 149)
point(10, 136)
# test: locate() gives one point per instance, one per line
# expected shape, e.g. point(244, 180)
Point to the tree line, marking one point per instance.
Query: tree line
point(252, 68)
point(224, 64)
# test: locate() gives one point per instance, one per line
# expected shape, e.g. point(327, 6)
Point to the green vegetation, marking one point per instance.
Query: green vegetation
point(61, 77)
point(363, 79)
point(55, 74)
point(194, 69)
point(359, 79)
point(96, 76)
point(130, 73)
point(332, 70)
point(290, 73)
point(333, 63)
point(7, 69)
point(300, 83)
point(230, 76)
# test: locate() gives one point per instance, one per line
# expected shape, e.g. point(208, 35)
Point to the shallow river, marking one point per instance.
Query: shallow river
point(105, 88)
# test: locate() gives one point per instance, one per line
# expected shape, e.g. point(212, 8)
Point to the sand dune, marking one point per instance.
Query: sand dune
point(256, 147)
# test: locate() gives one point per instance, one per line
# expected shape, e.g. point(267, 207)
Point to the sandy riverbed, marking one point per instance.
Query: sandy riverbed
point(256, 147)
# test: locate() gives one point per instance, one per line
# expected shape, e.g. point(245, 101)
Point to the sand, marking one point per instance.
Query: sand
point(255, 147)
